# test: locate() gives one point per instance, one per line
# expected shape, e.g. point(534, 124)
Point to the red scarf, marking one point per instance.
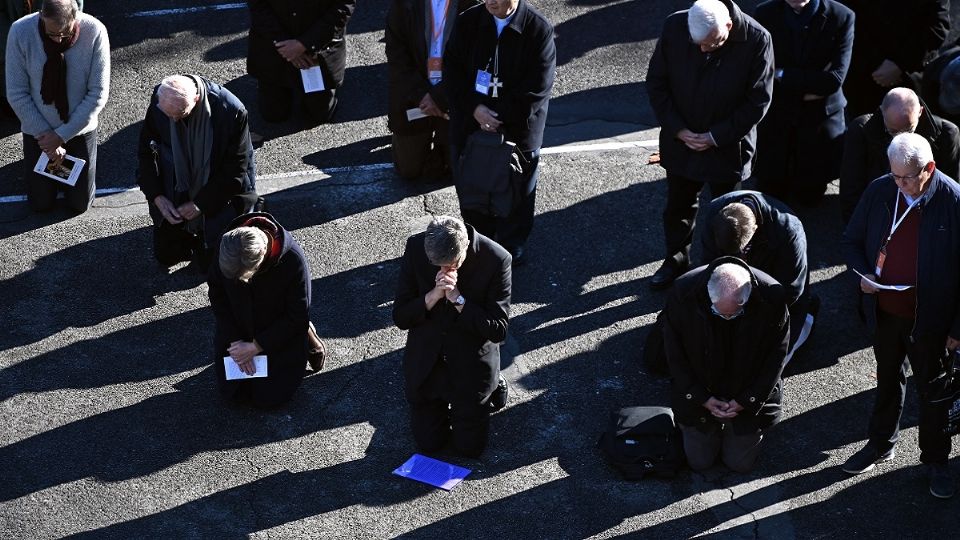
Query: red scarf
point(274, 239)
point(53, 87)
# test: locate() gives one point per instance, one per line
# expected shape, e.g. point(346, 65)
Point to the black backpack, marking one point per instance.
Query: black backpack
point(643, 441)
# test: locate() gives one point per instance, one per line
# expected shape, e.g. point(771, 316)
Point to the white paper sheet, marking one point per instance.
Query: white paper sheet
point(415, 114)
point(312, 79)
point(885, 287)
point(233, 370)
point(67, 172)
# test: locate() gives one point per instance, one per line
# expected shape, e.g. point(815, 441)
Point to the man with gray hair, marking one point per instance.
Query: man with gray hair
point(867, 138)
point(453, 296)
point(905, 233)
point(57, 82)
point(196, 166)
point(726, 331)
point(710, 82)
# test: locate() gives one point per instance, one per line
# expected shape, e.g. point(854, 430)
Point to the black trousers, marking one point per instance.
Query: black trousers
point(424, 154)
point(276, 103)
point(680, 214)
point(512, 231)
point(438, 416)
point(42, 191)
point(892, 348)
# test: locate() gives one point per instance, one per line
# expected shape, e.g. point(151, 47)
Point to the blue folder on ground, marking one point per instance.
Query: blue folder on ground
point(432, 471)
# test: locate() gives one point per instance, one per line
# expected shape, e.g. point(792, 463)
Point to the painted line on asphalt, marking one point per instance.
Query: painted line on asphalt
point(181, 11)
point(569, 149)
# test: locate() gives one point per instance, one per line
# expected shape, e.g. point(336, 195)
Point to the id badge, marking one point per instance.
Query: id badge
point(435, 67)
point(881, 258)
point(482, 84)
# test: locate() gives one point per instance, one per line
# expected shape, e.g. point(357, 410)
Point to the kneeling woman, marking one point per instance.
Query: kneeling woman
point(260, 293)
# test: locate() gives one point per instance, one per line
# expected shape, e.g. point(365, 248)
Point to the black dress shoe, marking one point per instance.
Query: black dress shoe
point(498, 399)
point(518, 255)
point(664, 277)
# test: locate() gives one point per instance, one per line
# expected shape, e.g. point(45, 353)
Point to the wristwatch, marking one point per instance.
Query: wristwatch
point(460, 300)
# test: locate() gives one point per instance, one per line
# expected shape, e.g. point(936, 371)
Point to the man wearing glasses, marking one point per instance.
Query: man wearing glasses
point(58, 80)
point(867, 138)
point(905, 234)
point(726, 331)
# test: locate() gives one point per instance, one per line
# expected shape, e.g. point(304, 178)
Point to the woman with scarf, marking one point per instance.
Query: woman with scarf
point(58, 80)
point(260, 294)
point(196, 166)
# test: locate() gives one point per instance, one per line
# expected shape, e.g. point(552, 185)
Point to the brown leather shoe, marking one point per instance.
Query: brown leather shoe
point(316, 357)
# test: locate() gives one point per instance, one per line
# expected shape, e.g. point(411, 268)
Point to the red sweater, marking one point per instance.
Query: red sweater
point(900, 266)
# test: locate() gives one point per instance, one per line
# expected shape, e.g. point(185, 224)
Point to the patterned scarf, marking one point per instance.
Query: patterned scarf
point(53, 87)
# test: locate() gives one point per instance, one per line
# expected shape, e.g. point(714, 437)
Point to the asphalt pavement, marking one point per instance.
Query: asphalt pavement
point(112, 427)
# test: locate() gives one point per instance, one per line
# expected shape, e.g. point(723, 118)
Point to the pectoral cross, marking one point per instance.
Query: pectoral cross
point(495, 83)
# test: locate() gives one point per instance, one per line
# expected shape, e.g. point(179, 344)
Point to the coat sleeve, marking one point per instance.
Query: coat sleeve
point(18, 84)
point(98, 87)
point(931, 25)
point(685, 382)
point(457, 66)
point(226, 323)
point(949, 144)
point(853, 167)
point(792, 266)
point(489, 317)
point(409, 308)
point(148, 179)
point(330, 26)
point(658, 87)
point(227, 178)
point(824, 82)
point(776, 344)
point(756, 99)
point(540, 66)
point(406, 79)
point(293, 324)
point(855, 237)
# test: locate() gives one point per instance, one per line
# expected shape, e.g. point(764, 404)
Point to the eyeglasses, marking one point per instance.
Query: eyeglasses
point(724, 316)
point(906, 178)
point(59, 36)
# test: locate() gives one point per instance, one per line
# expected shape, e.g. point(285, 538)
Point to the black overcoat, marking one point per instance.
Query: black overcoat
point(273, 308)
point(321, 25)
point(752, 376)
point(469, 340)
point(907, 32)
point(726, 93)
point(814, 64)
point(528, 61)
point(778, 247)
point(865, 153)
point(407, 40)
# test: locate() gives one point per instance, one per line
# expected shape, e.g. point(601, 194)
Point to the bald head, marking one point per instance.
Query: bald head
point(901, 110)
point(177, 96)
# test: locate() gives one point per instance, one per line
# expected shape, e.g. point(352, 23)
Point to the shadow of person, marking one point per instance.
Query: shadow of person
point(610, 25)
point(598, 113)
point(227, 51)
point(126, 30)
point(95, 281)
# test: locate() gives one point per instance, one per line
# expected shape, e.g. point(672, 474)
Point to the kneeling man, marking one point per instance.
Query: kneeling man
point(725, 336)
point(454, 298)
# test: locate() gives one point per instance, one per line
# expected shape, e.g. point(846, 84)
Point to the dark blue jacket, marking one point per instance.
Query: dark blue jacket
point(938, 264)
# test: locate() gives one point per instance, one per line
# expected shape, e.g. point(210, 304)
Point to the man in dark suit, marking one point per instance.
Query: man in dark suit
point(710, 82)
point(287, 36)
point(453, 296)
point(725, 334)
point(800, 140)
point(415, 39)
point(499, 66)
point(868, 136)
point(893, 39)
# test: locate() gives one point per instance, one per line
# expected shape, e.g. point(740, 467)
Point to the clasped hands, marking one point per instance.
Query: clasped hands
point(52, 145)
point(445, 287)
point(242, 353)
point(176, 214)
point(698, 142)
point(296, 53)
point(429, 107)
point(722, 409)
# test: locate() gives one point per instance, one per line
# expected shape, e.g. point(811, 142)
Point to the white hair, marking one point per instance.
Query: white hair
point(909, 150)
point(729, 279)
point(177, 86)
point(706, 17)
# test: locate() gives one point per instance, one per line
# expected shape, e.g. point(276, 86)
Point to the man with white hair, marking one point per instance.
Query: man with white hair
point(905, 231)
point(196, 166)
point(710, 82)
point(58, 81)
point(726, 331)
point(867, 138)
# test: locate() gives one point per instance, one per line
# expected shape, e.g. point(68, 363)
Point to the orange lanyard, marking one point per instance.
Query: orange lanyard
point(433, 21)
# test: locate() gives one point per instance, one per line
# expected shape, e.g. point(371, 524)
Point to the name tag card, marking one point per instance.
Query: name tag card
point(435, 67)
point(312, 80)
point(482, 84)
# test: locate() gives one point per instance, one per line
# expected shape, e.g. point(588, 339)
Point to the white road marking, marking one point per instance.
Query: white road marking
point(181, 11)
point(568, 149)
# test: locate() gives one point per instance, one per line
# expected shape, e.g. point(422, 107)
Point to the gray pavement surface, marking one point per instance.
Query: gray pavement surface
point(112, 427)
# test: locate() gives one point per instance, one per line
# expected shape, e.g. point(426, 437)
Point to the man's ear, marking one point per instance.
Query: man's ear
point(729, 25)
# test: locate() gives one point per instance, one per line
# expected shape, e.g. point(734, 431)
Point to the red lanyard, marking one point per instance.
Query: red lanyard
point(443, 21)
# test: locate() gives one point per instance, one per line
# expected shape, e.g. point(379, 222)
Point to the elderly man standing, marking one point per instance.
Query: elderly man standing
point(196, 166)
point(868, 136)
point(726, 329)
point(906, 231)
point(453, 296)
point(710, 82)
point(289, 36)
point(499, 68)
point(58, 81)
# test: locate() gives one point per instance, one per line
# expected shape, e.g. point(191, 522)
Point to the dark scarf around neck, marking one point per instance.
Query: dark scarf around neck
point(53, 87)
